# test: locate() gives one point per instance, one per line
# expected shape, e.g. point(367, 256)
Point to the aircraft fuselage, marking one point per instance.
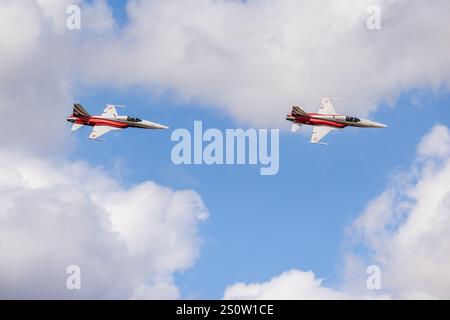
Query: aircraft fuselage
point(121, 122)
point(335, 121)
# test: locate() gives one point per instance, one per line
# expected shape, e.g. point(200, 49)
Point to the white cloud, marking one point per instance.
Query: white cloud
point(412, 243)
point(55, 11)
point(19, 29)
point(436, 143)
point(39, 64)
point(405, 231)
point(293, 284)
point(128, 241)
point(96, 16)
point(254, 59)
point(30, 87)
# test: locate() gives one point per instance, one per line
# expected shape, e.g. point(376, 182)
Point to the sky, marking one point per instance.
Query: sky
point(141, 227)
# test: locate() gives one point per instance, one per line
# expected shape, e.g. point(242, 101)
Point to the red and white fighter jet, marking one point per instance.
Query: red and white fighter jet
point(326, 120)
point(109, 120)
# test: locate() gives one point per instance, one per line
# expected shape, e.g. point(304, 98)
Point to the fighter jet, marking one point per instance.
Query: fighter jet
point(326, 120)
point(109, 120)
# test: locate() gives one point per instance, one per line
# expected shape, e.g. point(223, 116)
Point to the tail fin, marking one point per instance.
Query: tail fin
point(297, 111)
point(79, 111)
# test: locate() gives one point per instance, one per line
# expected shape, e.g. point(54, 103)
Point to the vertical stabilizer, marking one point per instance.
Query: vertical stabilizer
point(79, 111)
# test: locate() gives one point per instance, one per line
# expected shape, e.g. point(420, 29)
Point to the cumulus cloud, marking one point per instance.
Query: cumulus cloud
point(253, 59)
point(39, 63)
point(128, 241)
point(436, 143)
point(404, 231)
point(96, 16)
point(406, 228)
point(293, 284)
point(25, 71)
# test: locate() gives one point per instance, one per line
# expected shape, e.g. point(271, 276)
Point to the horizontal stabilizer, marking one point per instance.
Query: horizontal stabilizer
point(297, 111)
point(295, 127)
point(76, 126)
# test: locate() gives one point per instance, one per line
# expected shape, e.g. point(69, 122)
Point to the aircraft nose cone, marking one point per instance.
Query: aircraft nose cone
point(372, 124)
point(380, 125)
point(154, 125)
point(160, 126)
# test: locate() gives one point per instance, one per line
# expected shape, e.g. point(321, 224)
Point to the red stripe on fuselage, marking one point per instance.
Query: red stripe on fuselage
point(318, 122)
point(94, 121)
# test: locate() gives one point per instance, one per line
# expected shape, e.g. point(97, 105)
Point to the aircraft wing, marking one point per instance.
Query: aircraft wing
point(319, 132)
point(98, 131)
point(110, 111)
point(326, 107)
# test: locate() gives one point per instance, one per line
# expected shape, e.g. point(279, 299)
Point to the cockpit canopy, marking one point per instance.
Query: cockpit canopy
point(352, 119)
point(134, 119)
